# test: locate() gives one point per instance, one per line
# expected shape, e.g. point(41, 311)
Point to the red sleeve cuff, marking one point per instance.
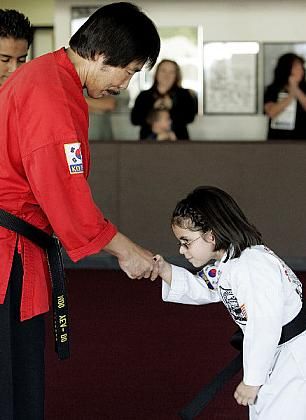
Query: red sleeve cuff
point(96, 245)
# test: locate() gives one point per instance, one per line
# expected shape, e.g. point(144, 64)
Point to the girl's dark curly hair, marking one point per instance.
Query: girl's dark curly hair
point(14, 24)
point(212, 209)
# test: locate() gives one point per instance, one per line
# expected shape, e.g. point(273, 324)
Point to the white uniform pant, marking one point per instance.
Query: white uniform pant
point(283, 396)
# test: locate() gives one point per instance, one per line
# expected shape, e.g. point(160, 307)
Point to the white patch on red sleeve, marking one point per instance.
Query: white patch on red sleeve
point(74, 158)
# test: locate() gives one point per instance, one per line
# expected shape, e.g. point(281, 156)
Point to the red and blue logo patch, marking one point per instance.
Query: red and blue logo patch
point(74, 158)
point(209, 275)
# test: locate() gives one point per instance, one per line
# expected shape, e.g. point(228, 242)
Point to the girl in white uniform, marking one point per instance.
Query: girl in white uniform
point(261, 293)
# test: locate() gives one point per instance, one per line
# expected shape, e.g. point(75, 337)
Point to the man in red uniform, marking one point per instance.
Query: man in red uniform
point(16, 36)
point(44, 159)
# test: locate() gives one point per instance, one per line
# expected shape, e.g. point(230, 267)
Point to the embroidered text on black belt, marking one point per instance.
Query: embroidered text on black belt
point(56, 269)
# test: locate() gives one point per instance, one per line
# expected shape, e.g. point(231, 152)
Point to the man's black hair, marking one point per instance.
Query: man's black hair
point(119, 31)
point(14, 24)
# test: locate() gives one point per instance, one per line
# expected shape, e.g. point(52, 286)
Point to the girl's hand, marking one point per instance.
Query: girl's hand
point(164, 269)
point(246, 394)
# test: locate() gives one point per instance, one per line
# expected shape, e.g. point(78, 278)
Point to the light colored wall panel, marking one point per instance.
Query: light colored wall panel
point(238, 20)
point(39, 12)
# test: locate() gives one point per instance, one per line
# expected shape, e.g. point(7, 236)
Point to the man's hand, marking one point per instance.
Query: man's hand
point(139, 263)
point(246, 394)
point(134, 260)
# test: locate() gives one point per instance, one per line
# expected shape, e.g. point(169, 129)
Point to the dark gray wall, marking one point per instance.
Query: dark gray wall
point(138, 184)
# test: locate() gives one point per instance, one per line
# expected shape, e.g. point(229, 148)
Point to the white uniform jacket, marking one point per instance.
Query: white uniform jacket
point(261, 293)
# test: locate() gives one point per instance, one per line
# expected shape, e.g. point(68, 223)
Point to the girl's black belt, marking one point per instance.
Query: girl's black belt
point(206, 394)
point(54, 255)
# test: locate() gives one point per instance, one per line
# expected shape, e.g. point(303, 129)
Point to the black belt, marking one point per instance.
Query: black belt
point(56, 269)
point(206, 394)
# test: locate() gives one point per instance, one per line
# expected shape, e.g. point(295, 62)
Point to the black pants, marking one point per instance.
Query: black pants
point(21, 356)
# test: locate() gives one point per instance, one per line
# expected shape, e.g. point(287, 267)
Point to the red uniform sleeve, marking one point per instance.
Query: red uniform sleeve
point(67, 201)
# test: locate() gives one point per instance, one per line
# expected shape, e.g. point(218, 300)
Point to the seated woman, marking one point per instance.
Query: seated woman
point(166, 93)
point(285, 99)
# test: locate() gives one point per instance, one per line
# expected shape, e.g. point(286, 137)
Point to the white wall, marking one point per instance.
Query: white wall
point(238, 20)
point(39, 12)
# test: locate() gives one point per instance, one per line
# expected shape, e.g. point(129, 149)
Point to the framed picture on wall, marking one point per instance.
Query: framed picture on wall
point(273, 50)
point(230, 77)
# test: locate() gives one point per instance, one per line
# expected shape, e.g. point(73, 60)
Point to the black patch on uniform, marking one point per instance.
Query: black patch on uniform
point(232, 305)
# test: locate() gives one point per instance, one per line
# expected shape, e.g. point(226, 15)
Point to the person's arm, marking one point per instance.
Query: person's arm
point(273, 109)
point(105, 104)
point(135, 261)
point(259, 288)
point(297, 92)
point(184, 107)
point(301, 97)
point(181, 286)
point(246, 394)
point(143, 105)
point(68, 204)
point(272, 106)
point(164, 269)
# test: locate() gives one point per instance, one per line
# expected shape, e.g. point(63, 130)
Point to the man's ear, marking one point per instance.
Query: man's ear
point(100, 58)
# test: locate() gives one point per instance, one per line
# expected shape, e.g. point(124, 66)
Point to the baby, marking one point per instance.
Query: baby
point(160, 123)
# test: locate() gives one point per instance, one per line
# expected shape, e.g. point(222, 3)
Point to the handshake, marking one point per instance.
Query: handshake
point(157, 267)
point(136, 261)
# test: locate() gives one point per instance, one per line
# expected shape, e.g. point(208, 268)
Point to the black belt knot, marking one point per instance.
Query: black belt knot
point(55, 262)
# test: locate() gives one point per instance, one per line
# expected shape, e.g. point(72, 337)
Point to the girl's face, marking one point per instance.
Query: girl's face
point(297, 71)
point(197, 247)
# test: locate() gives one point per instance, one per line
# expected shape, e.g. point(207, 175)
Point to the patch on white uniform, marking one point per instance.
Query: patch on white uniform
point(232, 305)
point(209, 275)
point(244, 311)
point(74, 158)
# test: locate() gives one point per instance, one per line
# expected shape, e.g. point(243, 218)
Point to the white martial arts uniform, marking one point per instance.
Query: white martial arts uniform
point(262, 294)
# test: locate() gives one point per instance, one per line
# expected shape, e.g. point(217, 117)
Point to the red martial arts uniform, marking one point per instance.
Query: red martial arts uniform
point(44, 160)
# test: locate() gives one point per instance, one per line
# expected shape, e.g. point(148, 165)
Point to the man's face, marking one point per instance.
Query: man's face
point(103, 80)
point(13, 53)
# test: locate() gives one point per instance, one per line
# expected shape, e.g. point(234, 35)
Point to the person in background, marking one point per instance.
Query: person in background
point(285, 100)
point(160, 122)
point(262, 294)
point(16, 36)
point(100, 124)
point(166, 93)
point(101, 115)
point(44, 159)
